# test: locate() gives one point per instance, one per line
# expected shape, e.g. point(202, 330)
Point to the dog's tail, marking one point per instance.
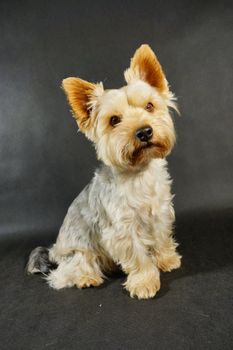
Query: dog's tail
point(39, 262)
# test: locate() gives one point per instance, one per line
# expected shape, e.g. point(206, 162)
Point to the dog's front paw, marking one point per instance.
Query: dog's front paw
point(168, 263)
point(141, 287)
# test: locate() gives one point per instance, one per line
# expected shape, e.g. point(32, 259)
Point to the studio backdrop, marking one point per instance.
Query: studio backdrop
point(45, 162)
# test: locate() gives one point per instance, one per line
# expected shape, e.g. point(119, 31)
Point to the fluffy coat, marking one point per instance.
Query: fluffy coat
point(124, 217)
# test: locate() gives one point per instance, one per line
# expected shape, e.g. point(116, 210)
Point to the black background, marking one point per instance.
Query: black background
point(44, 164)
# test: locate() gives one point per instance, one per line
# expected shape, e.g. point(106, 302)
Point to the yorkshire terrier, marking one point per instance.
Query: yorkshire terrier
point(124, 216)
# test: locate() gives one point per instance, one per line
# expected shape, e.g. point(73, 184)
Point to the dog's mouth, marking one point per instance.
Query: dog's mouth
point(159, 148)
point(146, 151)
point(143, 152)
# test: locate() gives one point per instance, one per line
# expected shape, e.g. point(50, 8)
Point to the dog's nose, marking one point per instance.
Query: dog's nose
point(144, 134)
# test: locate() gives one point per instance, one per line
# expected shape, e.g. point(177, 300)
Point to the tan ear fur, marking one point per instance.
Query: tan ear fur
point(145, 65)
point(79, 93)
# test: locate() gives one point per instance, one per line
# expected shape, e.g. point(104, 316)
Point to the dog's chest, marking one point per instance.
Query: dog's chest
point(140, 198)
point(143, 199)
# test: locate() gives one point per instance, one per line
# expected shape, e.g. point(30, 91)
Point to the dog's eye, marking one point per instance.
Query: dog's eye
point(115, 119)
point(150, 107)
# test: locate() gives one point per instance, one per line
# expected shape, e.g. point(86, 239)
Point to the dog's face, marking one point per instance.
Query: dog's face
point(131, 125)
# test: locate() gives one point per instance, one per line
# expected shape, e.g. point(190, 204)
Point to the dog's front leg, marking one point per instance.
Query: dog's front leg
point(132, 255)
point(164, 251)
point(166, 256)
point(143, 279)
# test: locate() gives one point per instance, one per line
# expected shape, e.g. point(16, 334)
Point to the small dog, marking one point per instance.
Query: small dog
point(124, 216)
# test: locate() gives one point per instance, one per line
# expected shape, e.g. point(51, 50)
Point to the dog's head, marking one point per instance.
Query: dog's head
point(131, 125)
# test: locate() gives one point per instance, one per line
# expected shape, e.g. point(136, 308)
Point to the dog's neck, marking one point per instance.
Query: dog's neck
point(150, 171)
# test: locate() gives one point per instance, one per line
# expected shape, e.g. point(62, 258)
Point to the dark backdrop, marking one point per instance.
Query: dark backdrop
point(44, 163)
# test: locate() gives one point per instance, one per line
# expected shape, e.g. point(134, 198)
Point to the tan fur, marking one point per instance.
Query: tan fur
point(168, 263)
point(79, 92)
point(130, 103)
point(146, 66)
point(143, 284)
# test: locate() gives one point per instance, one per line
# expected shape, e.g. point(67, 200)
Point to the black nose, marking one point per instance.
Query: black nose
point(144, 134)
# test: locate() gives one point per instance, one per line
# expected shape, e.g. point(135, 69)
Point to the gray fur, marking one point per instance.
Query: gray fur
point(39, 262)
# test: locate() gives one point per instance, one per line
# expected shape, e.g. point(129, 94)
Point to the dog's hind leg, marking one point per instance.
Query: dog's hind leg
point(81, 270)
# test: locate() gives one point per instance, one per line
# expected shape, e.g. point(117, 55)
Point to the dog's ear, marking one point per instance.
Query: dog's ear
point(145, 66)
point(82, 97)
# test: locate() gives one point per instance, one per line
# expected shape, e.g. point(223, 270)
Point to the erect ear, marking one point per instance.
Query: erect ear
point(82, 97)
point(145, 66)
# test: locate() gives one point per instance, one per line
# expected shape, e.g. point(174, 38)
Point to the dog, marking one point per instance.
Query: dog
point(124, 216)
